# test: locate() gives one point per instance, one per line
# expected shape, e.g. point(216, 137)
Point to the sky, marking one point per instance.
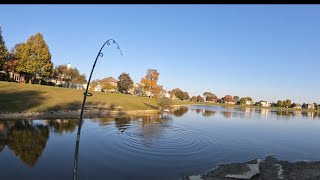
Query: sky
point(267, 52)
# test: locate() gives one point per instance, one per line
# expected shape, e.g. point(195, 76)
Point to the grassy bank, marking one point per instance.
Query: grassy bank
point(15, 97)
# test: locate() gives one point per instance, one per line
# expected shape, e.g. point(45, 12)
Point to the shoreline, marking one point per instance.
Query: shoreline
point(75, 114)
point(89, 113)
point(269, 168)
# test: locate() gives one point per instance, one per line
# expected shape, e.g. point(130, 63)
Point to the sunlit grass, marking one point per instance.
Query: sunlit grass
point(15, 97)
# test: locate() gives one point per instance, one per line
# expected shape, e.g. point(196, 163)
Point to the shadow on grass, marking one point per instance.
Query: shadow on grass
point(71, 106)
point(20, 101)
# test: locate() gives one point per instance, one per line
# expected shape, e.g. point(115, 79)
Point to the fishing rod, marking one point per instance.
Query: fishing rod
point(75, 162)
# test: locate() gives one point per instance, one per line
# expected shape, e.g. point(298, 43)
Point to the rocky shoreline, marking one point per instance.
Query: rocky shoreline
point(268, 169)
point(75, 114)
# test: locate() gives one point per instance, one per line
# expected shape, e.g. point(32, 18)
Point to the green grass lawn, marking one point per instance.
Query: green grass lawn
point(16, 97)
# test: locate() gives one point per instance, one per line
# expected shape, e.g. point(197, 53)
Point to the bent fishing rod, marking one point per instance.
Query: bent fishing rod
point(75, 162)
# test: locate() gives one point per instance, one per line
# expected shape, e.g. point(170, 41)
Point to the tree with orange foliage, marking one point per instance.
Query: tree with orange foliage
point(228, 98)
point(150, 82)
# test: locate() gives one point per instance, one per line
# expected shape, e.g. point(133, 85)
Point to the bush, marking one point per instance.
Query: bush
point(164, 103)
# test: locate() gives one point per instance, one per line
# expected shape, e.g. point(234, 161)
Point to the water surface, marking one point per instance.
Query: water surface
point(185, 141)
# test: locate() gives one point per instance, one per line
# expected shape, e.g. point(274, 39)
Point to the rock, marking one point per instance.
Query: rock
point(253, 169)
point(271, 169)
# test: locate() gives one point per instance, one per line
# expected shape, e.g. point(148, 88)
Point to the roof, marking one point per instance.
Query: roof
point(110, 79)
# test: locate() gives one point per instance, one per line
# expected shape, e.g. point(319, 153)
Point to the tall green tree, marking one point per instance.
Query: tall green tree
point(287, 103)
point(3, 51)
point(243, 101)
point(34, 58)
point(280, 103)
point(125, 82)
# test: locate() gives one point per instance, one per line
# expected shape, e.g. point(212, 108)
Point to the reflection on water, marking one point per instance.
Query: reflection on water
point(186, 140)
point(62, 126)
point(26, 139)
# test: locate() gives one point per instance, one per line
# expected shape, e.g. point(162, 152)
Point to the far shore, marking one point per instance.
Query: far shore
point(256, 107)
point(100, 113)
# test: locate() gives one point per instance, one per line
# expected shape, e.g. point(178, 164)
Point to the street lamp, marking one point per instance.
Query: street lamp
point(75, 162)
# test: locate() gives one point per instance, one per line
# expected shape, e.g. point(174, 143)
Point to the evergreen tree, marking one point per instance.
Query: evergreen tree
point(3, 51)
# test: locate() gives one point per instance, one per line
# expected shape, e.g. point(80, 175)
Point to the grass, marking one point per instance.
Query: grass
point(16, 97)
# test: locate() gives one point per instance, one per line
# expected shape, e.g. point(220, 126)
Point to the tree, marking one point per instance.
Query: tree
point(193, 99)
point(179, 95)
point(243, 101)
point(315, 106)
point(236, 98)
point(70, 75)
point(125, 82)
point(279, 103)
point(3, 51)
point(186, 96)
point(287, 103)
point(34, 58)
point(208, 94)
point(228, 98)
point(200, 99)
point(249, 98)
point(150, 81)
point(215, 98)
point(164, 103)
point(12, 61)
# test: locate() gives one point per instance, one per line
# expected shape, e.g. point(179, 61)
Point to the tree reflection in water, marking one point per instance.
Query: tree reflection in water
point(122, 123)
point(62, 126)
point(25, 138)
point(208, 113)
point(180, 111)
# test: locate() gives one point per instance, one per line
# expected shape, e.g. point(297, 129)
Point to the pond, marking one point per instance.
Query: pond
point(187, 140)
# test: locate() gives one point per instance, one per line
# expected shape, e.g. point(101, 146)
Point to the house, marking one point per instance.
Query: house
point(111, 80)
point(231, 102)
point(264, 103)
point(248, 102)
point(296, 106)
point(308, 106)
point(3, 75)
point(98, 88)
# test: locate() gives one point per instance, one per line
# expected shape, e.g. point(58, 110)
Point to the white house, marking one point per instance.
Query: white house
point(264, 103)
point(98, 88)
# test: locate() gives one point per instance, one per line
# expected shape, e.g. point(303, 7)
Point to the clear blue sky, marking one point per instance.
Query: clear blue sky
point(268, 52)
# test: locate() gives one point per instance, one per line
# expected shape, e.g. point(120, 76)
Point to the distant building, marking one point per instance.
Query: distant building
point(111, 80)
point(231, 102)
point(264, 103)
point(308, 106)
point(98, 88)
point(296, 106)
point(69, 66)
